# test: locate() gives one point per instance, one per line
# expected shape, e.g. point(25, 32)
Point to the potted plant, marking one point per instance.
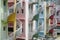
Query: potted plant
point(36, 35)
point(4, 23)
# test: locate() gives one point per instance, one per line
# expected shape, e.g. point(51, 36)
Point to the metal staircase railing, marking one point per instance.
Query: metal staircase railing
point(12, 7)
point(16, 4)
point(18, 32)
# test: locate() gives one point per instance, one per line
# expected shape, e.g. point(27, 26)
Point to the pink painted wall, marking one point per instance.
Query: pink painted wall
point(21, 16)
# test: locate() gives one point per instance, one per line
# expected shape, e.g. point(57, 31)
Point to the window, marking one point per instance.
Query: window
point(17, 1)
point(10, 26)
point(17, 11)
point(4, 28)
point(10, 29)
point(4, 2)
point(22, 11)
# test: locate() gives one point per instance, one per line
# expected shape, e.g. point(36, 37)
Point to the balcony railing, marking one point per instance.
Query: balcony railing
point(11, 9)
point(17, 33)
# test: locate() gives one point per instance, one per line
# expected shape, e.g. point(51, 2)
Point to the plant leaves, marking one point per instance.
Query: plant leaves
point(4, 22)
point(36, 35)
point(35, 17)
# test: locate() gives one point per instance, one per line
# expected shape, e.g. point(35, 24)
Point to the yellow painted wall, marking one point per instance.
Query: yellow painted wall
point(12, 17)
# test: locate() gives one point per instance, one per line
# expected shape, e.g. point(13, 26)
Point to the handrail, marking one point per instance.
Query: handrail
point(11, 35)
point(13, 5)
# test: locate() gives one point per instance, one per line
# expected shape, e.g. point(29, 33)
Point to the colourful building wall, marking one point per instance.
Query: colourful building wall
point(19, 16)
point(51, 20)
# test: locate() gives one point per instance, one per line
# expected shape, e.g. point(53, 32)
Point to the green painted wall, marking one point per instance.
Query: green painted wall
point(3, 16)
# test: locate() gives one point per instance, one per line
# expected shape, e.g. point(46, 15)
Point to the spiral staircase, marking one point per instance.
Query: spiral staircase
point(18, 32)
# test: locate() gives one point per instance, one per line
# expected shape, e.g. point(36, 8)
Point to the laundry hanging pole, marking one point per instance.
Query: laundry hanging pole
point(14, 19)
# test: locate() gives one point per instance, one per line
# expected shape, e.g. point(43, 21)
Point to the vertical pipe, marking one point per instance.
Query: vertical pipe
point(45, 18)
point(15, 19)
point(26, 18)
point(14, 29)
point(49, 19)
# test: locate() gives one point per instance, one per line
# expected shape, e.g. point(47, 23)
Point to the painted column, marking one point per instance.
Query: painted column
point(26, 17)
point(42, 19)
point(45, 24)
